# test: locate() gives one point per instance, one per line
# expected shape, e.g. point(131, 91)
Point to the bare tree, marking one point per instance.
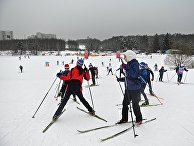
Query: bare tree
point(181, 55)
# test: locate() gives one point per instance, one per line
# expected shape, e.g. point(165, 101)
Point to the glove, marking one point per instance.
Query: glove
point(152, 79)
point(118, 79)
point(85, 69)
point(59, 74)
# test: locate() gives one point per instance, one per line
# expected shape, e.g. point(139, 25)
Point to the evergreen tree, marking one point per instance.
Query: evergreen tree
point(167, 44)
point(156, 45)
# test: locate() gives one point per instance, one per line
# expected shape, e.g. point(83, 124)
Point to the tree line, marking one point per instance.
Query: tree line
point(183, 43)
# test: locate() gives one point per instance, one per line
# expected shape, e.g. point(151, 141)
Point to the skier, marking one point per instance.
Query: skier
point(65, 83)
point(155, 67)
point(93, 73)
point(109, 69)
point(161, 72)
point(179, 70)
point(57, 62)
point(21, 68)
point(148, 78)
point(132, 87)
point(75, 77)
point(143, 79)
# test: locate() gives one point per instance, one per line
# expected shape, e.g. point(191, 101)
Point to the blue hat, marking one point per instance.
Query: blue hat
point(143, 65)
point(80, 62)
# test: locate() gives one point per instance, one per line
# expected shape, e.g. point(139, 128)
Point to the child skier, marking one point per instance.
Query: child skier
point(65, 83)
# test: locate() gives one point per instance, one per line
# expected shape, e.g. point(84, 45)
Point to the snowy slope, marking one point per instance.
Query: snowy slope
point(21, 94)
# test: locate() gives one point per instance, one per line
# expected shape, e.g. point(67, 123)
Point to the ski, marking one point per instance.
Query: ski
point(52, 122)
point(102, 127)
point(149, 105)
point(91, 115)
point(123, 131)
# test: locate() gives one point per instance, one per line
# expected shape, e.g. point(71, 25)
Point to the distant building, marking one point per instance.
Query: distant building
point(42, 36)
point(6, 35)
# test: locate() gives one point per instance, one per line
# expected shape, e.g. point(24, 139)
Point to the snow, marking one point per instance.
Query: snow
point(21, 94)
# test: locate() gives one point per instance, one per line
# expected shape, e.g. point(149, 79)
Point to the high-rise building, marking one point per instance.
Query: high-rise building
point(6, 35)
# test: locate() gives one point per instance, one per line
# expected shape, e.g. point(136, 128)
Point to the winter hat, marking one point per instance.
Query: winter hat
point(80, 62)
point(143, 65)
point(66, 66)
point(130, 55)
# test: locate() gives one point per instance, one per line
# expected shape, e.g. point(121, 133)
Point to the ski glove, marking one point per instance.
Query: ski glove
point(118, 79)
point(59, 74)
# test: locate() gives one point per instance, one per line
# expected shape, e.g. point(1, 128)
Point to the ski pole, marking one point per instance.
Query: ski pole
point(172, 77)
point(152, 91)
point(90, 91)
point(133, 125)
point(57, 90)
point(120, 87)
point(44, 98)
point(185, 77)
point(167, 76)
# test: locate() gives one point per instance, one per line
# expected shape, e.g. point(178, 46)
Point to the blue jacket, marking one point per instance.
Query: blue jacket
point(132, 74)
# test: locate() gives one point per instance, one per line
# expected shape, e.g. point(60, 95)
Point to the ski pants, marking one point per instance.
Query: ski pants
point(150, 87)
point(134, 96)
point(179, 77)
point(93, 80)
point(143, 86)
point(66, 98)
point(161, 77)
point(63, 88)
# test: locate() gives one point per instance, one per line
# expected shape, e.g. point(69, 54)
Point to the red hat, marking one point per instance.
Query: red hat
point(66, 66)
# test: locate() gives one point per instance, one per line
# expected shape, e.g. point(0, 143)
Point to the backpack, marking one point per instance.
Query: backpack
point(144, 74)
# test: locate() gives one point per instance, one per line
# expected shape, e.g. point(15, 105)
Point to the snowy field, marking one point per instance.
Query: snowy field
point(21, 94)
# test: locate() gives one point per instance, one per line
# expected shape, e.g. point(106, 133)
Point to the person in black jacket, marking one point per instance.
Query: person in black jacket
point(148, 78)
point(21, 68)
point(161, 72)
point(93, 73)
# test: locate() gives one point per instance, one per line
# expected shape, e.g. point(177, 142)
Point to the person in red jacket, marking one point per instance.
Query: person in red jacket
point(75, 77)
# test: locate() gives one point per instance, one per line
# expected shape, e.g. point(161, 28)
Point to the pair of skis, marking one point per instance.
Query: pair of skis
point(53, 121)
point(116, 134)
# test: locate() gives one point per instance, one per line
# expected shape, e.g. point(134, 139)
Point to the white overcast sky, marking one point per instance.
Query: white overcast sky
point(101, 19)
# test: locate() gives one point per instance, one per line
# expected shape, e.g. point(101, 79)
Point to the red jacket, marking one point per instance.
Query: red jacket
point(74, 75)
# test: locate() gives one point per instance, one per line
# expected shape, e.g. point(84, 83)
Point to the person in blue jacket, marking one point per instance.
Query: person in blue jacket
point(179, 70)
point(132, 87)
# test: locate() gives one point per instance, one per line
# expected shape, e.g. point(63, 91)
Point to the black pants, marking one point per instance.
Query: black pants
point(134, 96)
point(150, 86)
point(179, 77)
point(66, 98)
point(110, 70)
point(93, 80)
point(142, 91)
point(161, 77)
point(63, 88)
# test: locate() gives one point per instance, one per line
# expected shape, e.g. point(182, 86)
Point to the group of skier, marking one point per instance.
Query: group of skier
point(135, 75)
